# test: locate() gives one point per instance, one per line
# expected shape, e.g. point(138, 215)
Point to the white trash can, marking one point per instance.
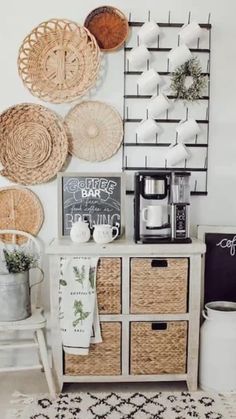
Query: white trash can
point(218, 347)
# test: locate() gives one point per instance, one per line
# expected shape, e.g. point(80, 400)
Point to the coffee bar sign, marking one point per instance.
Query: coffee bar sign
point(94, 197)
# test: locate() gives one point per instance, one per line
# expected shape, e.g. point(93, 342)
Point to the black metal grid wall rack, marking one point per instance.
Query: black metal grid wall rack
point(141, 156)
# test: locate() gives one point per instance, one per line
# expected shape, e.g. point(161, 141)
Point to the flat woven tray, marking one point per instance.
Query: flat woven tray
point(95, 131)
point(33, 144)
point(109, 26)
point(20, 209)
point(59, 61)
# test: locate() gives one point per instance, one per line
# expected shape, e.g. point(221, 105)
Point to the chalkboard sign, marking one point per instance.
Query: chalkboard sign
point(93, 197)
point(220, 265)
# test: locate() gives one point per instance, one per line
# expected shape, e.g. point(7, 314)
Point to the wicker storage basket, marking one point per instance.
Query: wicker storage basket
point(103, 359)
point(109, 285)
point(158, 348)
point(159, 286)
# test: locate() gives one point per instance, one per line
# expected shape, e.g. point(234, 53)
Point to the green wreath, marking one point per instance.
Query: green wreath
point(187, 82)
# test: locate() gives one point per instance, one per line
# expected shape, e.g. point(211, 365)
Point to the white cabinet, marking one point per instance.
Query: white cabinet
point(149, 305)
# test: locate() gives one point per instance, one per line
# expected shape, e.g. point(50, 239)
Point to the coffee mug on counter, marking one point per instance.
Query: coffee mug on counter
point(190, 32)
point(147, 129)
point(158, 104)
point(179, 55)
point(153, 216)
point(187, 129)
point(138, 56)
point(148, 32)
point(148, 81)
point(103, 233)
point(176, 154)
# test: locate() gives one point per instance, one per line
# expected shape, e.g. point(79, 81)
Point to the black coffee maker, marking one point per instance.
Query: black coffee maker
point(161, 207)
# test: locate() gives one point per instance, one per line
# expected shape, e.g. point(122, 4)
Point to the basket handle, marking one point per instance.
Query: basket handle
point(41, 279)
point(159, 326)
point(159, 263)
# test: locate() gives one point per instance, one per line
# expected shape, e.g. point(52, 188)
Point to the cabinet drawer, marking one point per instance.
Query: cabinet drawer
point(159, 285)
point(109, 285)
point(158, 348)
point(103, 359)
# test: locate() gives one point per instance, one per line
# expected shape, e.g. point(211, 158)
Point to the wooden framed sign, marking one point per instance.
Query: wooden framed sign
point(94, 197)
point(219, 269)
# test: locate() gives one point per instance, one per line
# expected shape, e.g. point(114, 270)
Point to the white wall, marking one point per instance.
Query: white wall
point(17, 18)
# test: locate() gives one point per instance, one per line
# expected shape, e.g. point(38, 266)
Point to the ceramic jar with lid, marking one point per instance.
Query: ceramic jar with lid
point(80, 232)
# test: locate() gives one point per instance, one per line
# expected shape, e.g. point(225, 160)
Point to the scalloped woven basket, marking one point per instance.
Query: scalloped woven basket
point(33, 144)
point(59, 61)
point(95, 131)
point(20, 209)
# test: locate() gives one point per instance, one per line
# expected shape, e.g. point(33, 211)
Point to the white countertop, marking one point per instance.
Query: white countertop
point(122, 247)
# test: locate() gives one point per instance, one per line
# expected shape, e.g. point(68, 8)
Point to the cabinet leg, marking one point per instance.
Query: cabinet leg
point(192, 384)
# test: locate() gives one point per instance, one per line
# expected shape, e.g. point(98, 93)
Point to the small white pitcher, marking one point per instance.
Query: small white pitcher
point(103, 233)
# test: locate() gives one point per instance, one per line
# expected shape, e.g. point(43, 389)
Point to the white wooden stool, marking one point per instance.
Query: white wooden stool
point(35, 323)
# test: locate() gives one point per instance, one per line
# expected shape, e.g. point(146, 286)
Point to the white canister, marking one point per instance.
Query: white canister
point(218, 347)
point(80, 232)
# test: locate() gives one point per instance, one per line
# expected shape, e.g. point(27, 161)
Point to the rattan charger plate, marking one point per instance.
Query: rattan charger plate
point(20, 209)
point(59, 61)
point(33, 144)
point(109, 26)
point(95, 131)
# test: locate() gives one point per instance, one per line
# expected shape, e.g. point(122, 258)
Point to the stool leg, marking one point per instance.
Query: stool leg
point(44, 357)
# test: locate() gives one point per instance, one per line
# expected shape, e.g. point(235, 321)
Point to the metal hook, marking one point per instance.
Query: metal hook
point(138, 40)
point(178, 40)
point(189, 17)
point(209, 18)
point(149, 15)
point(169, 13)
point(195, 185)
point(127, 112)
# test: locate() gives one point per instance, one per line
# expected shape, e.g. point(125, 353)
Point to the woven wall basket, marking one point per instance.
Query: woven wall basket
point(109, 26)
point(95, 131)
point(20, 209)
point(33, 144)
point(59, 61)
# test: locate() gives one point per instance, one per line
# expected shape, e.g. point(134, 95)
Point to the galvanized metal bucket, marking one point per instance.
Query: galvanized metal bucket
point(14, 296)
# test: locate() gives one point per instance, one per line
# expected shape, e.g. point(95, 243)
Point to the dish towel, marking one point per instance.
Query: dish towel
point(78, 311)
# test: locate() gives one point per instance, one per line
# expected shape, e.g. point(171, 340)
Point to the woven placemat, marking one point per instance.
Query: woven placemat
point(59, 61)
point(109, 26)
point(95, 130)
point(20, 209)
point(33, 144)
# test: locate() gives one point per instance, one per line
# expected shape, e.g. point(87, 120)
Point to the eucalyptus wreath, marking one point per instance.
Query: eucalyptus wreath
point(187, 82)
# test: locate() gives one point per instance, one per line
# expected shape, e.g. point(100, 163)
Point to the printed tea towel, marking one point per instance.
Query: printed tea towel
point(78, 311)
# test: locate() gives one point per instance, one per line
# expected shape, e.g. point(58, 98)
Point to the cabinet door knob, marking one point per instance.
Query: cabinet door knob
point(159, 263)
point(159, 326)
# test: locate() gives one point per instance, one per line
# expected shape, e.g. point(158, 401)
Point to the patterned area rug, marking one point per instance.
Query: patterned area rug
point(161, 405)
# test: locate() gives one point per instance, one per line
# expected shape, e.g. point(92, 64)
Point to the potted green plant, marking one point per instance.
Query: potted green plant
point(15, 286)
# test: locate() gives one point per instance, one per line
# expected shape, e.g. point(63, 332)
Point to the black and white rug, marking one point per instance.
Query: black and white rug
point(161, 405)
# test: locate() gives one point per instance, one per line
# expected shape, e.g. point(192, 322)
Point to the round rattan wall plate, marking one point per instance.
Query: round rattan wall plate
point(109, 26)
point(20, 209)
point(33, 144)
point(95, 131)
point(59, 61)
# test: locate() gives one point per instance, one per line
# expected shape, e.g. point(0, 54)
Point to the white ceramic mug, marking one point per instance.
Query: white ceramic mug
point(179, 56)
point(148, 32)
point(176, 154)
point(103, 233)
point(148, 81)
point(190, 32)
point(158, 104)
point(138, 56)
point(147, 129)
point(153, 215)
point(187, 129)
